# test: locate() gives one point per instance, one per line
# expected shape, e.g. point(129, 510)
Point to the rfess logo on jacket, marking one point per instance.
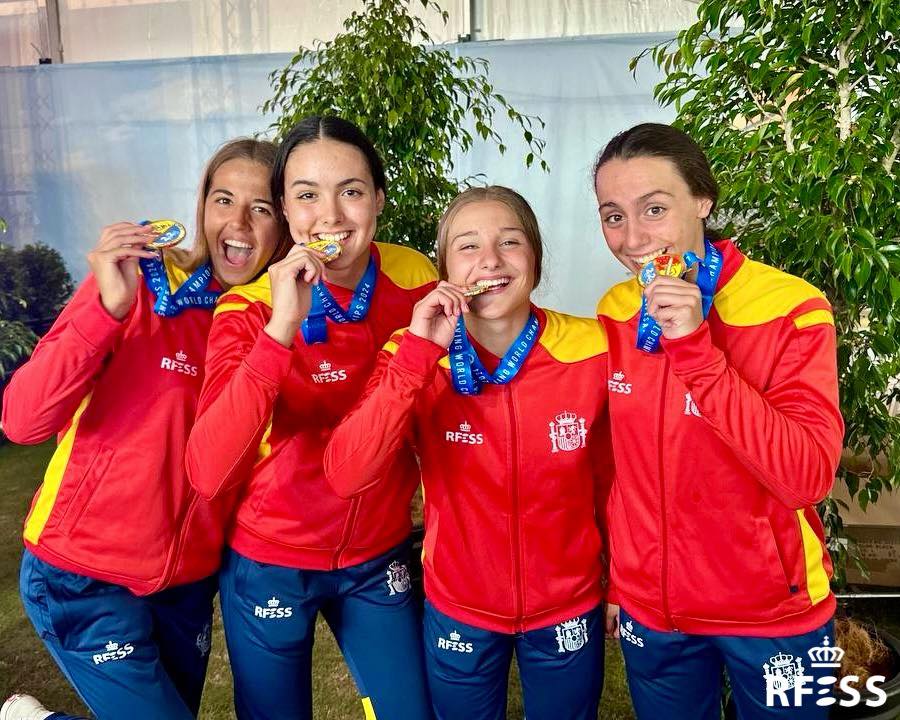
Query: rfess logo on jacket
point(327, 375)
point(179, 364)
point(464, 435)
point(618, 384)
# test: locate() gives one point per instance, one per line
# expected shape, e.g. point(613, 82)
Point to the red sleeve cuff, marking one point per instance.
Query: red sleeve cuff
point(269, 358)
point(692, 352)
point(95, 325)
point(418, 355)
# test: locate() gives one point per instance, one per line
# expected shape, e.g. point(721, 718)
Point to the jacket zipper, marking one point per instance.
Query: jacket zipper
point(662, 500)
point(355, 502)
point(514, 497)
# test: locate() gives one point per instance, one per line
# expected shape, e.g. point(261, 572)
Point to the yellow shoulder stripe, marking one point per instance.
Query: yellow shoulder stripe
point(259, 291)
point(407, 268)
point(621, 302)
point(814, 317)
point(759, 294)
point(571, 339)
point(37, 518)
point(392, 344)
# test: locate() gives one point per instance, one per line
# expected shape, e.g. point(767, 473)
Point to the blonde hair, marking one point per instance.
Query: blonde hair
point(261, 152)
point(492, 193)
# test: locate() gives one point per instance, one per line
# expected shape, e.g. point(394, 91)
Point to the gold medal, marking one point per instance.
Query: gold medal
point(168, 233)
point(671, 265)
point(331, 249)
point(482, 286)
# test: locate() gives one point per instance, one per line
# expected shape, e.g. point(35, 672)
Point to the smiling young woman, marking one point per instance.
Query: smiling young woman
point(726, 433)
point(289, 355)
point(512, 552)
point(118, 572)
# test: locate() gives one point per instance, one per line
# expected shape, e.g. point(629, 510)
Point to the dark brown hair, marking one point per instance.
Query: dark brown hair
point(669, 143)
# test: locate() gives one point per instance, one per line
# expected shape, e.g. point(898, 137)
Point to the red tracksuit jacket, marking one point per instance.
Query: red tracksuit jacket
point(266, 413)
point(115, 503)
point(724, 441)
point(511, 476)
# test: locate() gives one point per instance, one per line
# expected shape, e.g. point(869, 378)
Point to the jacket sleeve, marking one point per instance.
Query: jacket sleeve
point(791, 432)
point(366, 442)
point(243, 374)
point(44, 393)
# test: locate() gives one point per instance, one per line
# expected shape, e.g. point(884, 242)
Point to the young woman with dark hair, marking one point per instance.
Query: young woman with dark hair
point(726, 433)
point(288, 356)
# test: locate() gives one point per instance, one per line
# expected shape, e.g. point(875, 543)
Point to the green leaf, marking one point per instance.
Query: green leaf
point(415, 101)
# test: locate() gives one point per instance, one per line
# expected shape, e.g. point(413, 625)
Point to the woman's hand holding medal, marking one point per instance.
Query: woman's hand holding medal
point(675, 304)
point(114, 263)
point(434, 316)
point(292, 280)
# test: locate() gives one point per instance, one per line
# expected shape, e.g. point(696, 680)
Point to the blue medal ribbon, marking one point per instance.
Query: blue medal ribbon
point(315, 329)
point(467, 370)
point(191, 293)
point(649, 331)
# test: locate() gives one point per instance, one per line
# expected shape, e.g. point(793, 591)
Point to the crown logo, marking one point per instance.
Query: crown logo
point(181, 356)
point(455, 636)
point(324, 366)
point(566, 418)
point(826, 655)
point(781, 661)
point(464, 426)
point(112, 646)
point(618, 376)
point(274, 602)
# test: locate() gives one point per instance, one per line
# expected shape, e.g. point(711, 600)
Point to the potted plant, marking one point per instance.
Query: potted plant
point(413, 101)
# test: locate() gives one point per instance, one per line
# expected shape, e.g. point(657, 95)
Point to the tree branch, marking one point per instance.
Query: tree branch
point(895, 141)
point(827, 68)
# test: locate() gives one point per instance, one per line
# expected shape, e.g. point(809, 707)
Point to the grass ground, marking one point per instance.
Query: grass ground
point(26, 666)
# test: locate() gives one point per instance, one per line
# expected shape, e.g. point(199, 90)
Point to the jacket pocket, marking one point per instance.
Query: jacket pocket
point(84, 487)
point(771, 557)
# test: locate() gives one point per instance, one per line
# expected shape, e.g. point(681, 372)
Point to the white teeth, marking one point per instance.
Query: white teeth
point(334, 237)
point(492, 283)
point(644, 259)
point(237, 244)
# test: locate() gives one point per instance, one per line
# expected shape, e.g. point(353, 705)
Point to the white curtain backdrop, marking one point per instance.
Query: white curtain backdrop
point(82, 146)
point(102, 30)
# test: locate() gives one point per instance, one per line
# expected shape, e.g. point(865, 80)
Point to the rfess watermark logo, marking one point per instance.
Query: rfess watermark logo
point(787, 686)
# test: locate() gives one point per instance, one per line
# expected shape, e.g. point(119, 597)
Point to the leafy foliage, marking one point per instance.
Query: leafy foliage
point(798, 107)
point(412, 101)
point(34, 286)
point(16, 344)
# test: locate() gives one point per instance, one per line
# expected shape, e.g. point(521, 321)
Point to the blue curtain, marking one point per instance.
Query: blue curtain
point(82, 146)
